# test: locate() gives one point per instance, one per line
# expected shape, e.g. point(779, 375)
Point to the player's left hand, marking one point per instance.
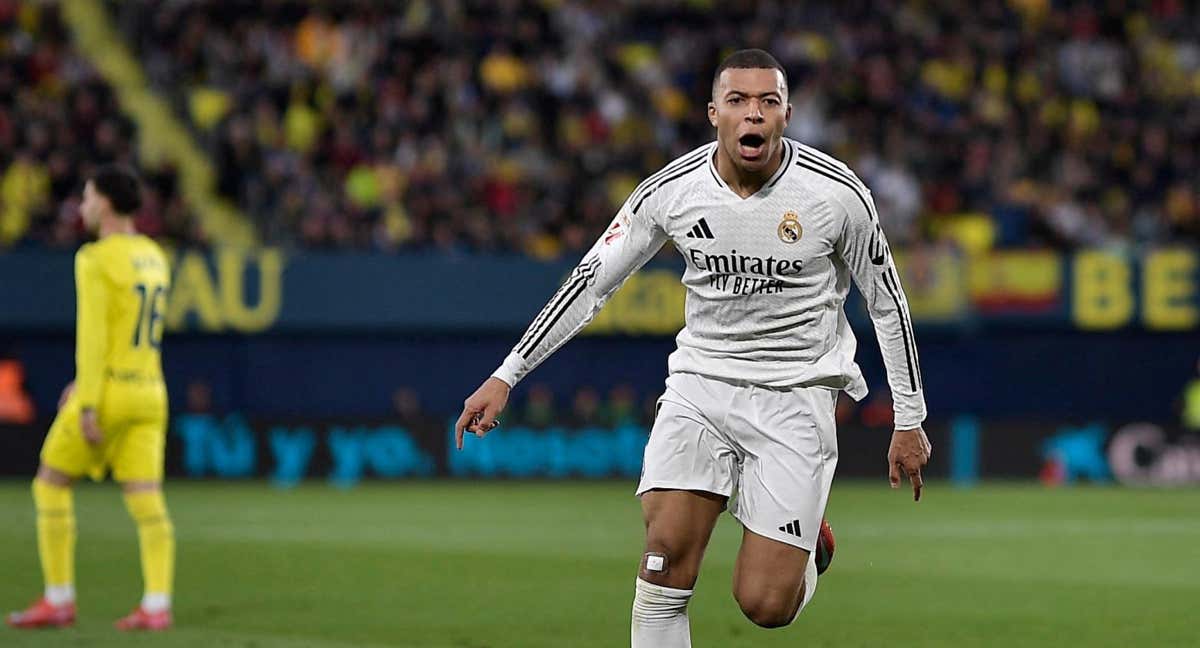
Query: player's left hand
point(908, 453)
point(90, 424)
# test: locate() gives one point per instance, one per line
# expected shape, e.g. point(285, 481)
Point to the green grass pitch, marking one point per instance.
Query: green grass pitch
point(492, 565)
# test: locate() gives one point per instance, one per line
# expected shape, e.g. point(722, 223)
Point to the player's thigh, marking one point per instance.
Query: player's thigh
point(783, 490)
point(65, 449)
point(786, 476)
point(138, 454)
point(768, 577)
point(679, 524)
point(137, 418)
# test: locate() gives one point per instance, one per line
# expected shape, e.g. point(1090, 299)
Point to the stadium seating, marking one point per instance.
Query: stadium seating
point(518, 127)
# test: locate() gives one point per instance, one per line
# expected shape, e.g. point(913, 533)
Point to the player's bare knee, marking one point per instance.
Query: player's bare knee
point(662, 564)
point(655, 567)
point(768, 609)
point(669, 564)
point(130, 487)
point(53, 477)
point(770, 616)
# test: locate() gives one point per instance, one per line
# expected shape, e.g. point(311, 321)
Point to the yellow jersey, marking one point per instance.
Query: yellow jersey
point(121, 286)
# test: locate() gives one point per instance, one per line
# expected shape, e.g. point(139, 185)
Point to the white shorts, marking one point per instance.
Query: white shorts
point(773, 451)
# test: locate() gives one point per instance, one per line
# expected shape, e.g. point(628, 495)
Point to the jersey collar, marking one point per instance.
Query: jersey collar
point(789, 156)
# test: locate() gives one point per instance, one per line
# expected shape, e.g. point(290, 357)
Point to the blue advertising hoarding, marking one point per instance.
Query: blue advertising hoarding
point(270, 290)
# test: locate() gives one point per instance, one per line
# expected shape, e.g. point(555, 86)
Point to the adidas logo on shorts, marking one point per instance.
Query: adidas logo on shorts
point(792, 527)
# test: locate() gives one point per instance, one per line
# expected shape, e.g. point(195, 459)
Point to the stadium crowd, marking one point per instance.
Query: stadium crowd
point(58, 120)
point(520, 126)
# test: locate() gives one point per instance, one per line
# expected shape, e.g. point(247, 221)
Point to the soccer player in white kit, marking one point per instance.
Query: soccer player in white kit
point(772, 232)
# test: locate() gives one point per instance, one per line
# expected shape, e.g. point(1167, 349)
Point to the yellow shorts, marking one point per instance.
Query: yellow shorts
point(134, 425)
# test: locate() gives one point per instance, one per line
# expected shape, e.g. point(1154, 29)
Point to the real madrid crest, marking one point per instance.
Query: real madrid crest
point(790, 230)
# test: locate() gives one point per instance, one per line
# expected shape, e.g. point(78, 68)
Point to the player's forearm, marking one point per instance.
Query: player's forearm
point(89, 374)
point(893, 330)
point(908, 410)
point(568, 312)
point(908, 402)
point(626, 246)
point(91, 336)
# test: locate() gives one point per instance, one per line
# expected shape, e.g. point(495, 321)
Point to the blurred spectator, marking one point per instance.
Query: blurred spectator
point(877, 411)
point(15, 405)
point(539, 411)
point(406, 405)
point(874, 412)
point(622, 405)
point(586, 408)
point(199, 398)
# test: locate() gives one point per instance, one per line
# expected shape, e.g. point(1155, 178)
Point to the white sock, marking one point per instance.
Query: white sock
point(60, 594)
point(810, 582)
point(660, 617)
point(156, 601)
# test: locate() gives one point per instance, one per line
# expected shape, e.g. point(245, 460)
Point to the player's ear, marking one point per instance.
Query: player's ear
point(787, 115)
point(712, 113)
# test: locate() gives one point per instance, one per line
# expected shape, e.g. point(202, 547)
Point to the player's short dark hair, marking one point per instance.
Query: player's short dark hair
point(748, 59)
point(120, 185)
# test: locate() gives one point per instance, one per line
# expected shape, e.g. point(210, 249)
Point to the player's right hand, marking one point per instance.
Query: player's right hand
point(66, 393)
point(89, 424)
point(480, 410)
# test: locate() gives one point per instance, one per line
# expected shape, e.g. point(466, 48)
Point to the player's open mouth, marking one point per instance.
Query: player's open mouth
point(751, 146)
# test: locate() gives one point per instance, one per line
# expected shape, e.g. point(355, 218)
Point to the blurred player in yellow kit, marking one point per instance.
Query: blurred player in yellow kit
point(114, 415)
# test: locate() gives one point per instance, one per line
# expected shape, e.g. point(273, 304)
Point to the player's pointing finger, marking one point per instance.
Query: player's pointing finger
point(914, 475)
point(459, 426)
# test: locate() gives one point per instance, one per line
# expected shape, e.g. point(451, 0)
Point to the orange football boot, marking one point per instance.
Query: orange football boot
point(140, 619)
point(824, 547)
point(43, 614)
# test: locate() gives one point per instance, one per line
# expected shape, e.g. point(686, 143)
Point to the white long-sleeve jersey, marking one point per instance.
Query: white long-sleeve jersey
point(766, 278)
